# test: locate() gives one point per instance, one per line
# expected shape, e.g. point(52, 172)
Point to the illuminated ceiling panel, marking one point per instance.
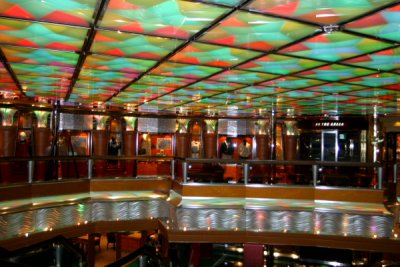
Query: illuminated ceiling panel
point(279, 64)
point(321, 12)
point(336, 88)
point(384, 24)
point(168, 18)
point(233, 57)
point(257, 32)
point(335, 73)
point(213, 55)
point(133, 45)
point(214, 86)
point(40, 56)
point(292, 83)
point(260, 90)
point(377, 80)
point(41, 35)
point(384, 60)
point(109, 63)
point(335, 46)
point(245, 77)
point(74, 12)
point(184, 70)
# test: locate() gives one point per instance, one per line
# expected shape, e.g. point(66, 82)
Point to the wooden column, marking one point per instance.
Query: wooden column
point(100, 149)
point(130, 151)
point(195, 255)
point(41, 148)
point(181, 151)
point(262, 152)
point(91, 250)
point(253, 255)
point(182, 145)
point(290, 151)
point(8, 136)
point(210, 145)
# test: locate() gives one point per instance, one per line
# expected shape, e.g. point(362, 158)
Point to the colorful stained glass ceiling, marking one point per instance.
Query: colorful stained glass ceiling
point(231, 57)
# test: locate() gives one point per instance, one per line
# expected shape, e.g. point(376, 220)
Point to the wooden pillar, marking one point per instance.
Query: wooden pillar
point(253, 255)
point(262, 152)
point(290, 146)
point(182, 145)
point(8, 135)
point(130, 151)
point(195, 255)
point(210, 145)
point(262, 147)
point(118, 248)
point(91, 251)
point(100, 149)
point(41, 144)
point(290, 151)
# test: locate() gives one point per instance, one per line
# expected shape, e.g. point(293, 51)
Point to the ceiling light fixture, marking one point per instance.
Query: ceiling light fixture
point(331, 28)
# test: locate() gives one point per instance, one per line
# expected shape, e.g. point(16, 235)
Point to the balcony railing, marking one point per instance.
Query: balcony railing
point(189, 170)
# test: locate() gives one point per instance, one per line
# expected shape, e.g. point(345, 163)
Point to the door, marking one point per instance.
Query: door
point(329, 146)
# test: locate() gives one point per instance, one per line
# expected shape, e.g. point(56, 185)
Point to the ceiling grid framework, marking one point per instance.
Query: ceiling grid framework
point(167, 56)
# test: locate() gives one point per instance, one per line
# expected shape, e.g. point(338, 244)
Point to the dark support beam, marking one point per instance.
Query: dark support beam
point(11, 71)
point(87, 45)
point(182, 46)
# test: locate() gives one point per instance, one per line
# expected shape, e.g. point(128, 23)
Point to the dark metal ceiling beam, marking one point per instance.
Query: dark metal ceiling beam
point(11, 71)
point(182, 46)
point(98, 14)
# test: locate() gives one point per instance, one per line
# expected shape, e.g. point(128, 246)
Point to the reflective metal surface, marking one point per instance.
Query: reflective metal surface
point(199, 218)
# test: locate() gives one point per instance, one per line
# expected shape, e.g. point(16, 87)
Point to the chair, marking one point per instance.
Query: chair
point(97, 240)
point(111, 239)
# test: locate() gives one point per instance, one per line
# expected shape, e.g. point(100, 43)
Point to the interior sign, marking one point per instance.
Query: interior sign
point(329, 124)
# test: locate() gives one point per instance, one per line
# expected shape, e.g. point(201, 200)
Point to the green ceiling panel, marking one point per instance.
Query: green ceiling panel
point(233, 97)
point(195, 94)
point(374, 93)
point(41, 35)
point(321, 12)
point(173, 99)
point(75, 12)
point(377, 80)
point(164, 80)
point(184, 70)
point(135, 88)
point(213, 55)
point(279, 64)
point(38, 70)
point(260, 90)
point(292, 82)
point(335, 73)
point(42, 80)
point(383, 60)
point(245, 77)
point(133, 45)
point(335, 98)
point(384, 24)
point(110, 63)
point(98, 75)
point(40, 56)
point(214, 86)
point(169, 18)
point(300, 94)
point(94, 85)
point(335, 46)
point(336, 88)
point(256, 32)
